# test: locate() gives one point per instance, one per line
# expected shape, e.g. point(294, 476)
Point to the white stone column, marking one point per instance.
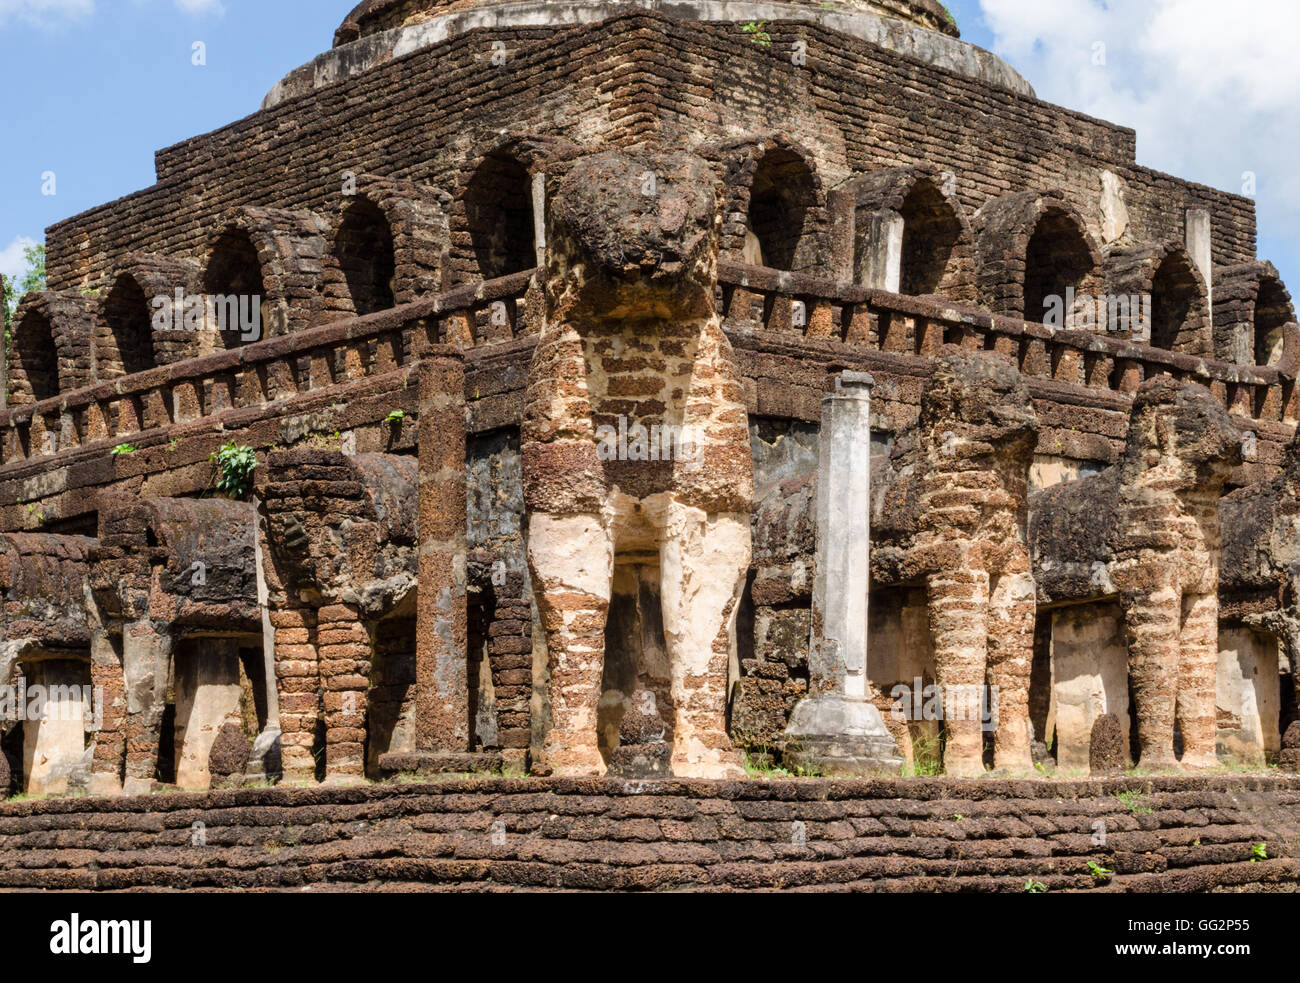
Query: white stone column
point(836, 729)
point(1199, 248)
point(838, 652)
point(539, 217)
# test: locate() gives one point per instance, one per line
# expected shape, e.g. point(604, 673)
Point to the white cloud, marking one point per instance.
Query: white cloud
point(45, 12)
point(12, 262)
point(1209, 86)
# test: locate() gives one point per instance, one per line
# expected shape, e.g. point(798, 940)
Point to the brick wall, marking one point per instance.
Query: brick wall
point(633, 78)
point(1170, 835)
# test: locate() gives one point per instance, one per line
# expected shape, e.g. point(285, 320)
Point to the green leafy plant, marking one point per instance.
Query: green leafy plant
point(1258, 852)
point(757, 31)
point(1132, 802)
point(1098, 871)
point(123, 449)
point(235, 467)
point(1035, 887)
point(397, 416)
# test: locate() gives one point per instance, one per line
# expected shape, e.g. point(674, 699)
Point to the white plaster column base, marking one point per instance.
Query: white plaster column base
point(840, 737)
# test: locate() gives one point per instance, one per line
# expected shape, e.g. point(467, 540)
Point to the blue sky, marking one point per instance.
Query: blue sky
point(96, 86)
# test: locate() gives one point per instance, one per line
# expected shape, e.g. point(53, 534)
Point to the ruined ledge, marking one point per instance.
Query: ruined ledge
point(363, 54)
point(1170, 834)
point(901, 790)
point(372, 16)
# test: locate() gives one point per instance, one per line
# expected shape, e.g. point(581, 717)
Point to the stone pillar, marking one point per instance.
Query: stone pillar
point(297, 681)
point(843, 210)
point(443, 736)
point(836, 729)
point(539, 217)
point(344, 648)
point(146, 655)
point(882, 259)
point(110, 695)
point(267, 751)
point(1199, 248)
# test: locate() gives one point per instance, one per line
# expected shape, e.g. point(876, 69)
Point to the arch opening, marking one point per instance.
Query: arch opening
point(34, 373)
point(1177, 306)
point(231, 282)
point(499, 210)
point(363, 249)
point(128, 347)
point(781, 199)
point(1272, 313)
point(931, 235)
point(1057, 259)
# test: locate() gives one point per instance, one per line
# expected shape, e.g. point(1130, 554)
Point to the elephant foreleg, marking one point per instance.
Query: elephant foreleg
point(1197, 679)
point(1011, 658)
point(1152, 621)
point(704, 560)
point(958, 602)
point(571, 559)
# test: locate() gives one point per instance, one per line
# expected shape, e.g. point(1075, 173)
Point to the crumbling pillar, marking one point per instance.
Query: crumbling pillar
point(443, 734)
point(836, 729)
point(108, 687)
point(146, 658)
point(297, 677)
point(265, 757)
point(345, 652)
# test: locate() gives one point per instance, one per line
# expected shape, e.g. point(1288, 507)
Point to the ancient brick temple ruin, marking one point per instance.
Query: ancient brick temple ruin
point(633, 386)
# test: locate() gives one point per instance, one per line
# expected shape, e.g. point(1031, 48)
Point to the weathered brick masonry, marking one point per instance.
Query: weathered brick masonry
point(482, 235)
point(607, 835)
point(634, 79)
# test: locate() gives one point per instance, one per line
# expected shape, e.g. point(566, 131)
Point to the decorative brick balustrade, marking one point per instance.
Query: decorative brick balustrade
point(791, 303)
point(501, 310)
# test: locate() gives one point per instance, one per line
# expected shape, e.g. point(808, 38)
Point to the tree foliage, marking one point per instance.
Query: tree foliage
point(15, 288)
